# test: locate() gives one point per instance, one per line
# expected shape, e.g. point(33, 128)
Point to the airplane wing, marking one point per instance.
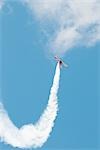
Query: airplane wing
point(65, 65)
point(57, 58)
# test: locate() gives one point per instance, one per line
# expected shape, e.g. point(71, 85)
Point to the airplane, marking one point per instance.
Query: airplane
point(60, 62)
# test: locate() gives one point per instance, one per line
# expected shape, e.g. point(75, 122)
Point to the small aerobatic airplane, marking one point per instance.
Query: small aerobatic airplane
point(60, 62)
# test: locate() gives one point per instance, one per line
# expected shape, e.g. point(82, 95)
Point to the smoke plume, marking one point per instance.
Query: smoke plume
point(31, 135)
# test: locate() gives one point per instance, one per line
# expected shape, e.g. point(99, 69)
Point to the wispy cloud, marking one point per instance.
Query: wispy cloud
point(74, 22)
point(1, 4)
point(31, 135)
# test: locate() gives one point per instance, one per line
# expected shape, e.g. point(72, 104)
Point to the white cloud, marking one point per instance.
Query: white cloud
point(76, 22)
point(31, 135)
point(1, 4)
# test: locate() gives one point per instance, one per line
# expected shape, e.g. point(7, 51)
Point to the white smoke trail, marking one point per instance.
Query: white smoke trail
point(31, 135)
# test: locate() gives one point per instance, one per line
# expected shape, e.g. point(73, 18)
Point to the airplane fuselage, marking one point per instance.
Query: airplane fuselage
point(60, 62)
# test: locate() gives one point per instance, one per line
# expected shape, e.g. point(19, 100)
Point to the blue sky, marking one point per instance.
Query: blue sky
point(26, 77)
